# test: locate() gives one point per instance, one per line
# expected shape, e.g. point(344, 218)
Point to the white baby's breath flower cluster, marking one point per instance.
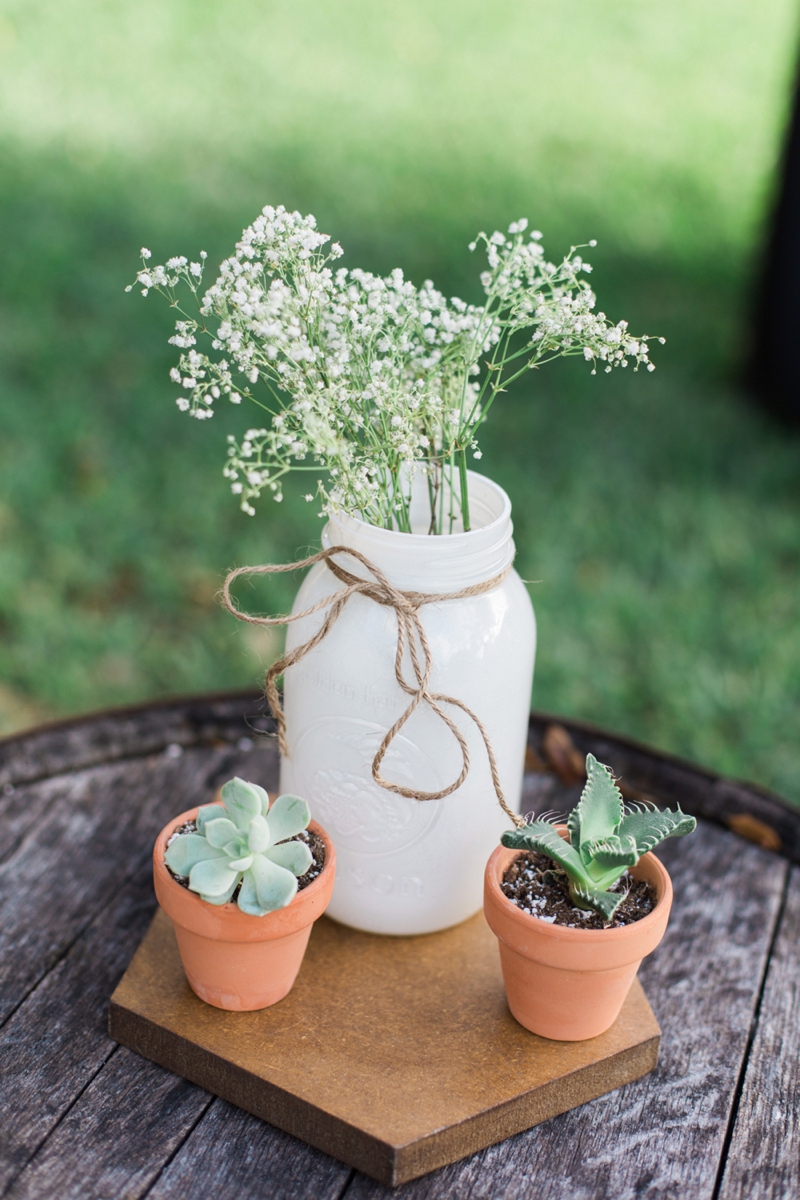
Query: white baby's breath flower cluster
point(371, 379)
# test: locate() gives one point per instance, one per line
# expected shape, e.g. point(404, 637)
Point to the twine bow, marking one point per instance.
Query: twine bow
point(410, 632)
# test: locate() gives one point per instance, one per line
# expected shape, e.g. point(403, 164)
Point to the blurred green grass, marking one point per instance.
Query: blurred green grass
point(659, 515)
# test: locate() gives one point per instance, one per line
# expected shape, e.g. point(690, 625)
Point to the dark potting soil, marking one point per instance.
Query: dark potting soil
point(539, 887)
point(317, 848)
point(313, 840)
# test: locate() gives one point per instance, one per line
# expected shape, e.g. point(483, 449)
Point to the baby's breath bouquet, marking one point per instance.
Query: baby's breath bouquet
point(367, 381)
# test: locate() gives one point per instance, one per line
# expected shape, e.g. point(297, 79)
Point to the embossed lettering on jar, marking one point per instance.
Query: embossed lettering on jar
point(408, 866)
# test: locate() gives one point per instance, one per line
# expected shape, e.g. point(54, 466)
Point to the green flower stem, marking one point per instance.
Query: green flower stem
point(462, 473)
point(359, 371)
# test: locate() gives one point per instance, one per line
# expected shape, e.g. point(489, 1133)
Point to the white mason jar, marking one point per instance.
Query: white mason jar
point(410, 866)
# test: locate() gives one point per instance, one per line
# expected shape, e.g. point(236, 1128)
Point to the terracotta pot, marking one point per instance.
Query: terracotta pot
point(233, 960)
point(570, 984)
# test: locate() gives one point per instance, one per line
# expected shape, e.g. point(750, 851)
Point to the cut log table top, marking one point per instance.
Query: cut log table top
point(80, 805)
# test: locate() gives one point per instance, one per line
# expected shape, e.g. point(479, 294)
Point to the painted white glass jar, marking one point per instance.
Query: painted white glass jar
point(408, 866)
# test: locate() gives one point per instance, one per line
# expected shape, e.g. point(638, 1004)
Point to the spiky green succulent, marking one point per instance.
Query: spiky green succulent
point(605, 838)
point(244, 841)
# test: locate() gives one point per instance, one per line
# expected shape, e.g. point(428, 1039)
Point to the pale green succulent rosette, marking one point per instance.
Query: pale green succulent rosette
point(245, 842)
point(605, 838)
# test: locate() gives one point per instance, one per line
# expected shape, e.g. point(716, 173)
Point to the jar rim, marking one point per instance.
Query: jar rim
point(484, 483)
point(435, 562)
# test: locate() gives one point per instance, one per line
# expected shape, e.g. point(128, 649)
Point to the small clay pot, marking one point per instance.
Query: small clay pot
point(233, 960)
point(570, 984)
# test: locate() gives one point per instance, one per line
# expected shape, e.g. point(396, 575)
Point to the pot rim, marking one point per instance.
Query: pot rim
point(230, 909)
point(563, 933)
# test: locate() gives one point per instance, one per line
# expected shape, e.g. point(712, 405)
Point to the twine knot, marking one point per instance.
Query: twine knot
point(410, 632)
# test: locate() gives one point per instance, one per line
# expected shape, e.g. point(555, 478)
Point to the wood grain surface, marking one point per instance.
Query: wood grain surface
point(385, 1052)
point(57, 1040)
point(237, 1156)
point(763, 1161)
point(80, 805)
point(662, 1136)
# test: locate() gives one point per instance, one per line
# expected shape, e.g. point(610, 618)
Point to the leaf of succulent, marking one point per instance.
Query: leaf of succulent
point(543, 837)
point(605, 839)
point(649, 826)
point(220, 832)
point(237, 843)
point(595, 900)
point(294, 856)
point(288, 816)
point(609, 857)
point(241, 864)
point(599, 810)
point(242, 802)
point(259, 836)
point(248, 897)
point(212, 877)
point(188, 850)
point(265, 888)
point(207, 812)
point(263, 797)
point(223, 897)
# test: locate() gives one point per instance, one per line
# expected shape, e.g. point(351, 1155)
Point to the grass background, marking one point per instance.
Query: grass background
point(659, 513)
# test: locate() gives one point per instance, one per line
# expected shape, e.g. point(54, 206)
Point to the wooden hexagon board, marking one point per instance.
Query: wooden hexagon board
point(395, 1055)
